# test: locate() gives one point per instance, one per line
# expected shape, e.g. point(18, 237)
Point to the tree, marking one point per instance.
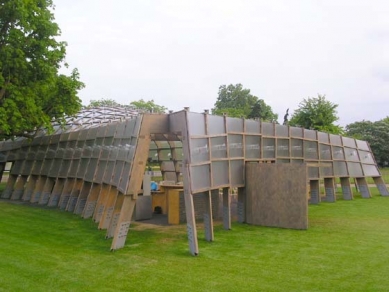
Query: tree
point(376, 133)
point(149, 106)
point(236, 101)
point(317, 113)
point(32, 92)
point(103, 102)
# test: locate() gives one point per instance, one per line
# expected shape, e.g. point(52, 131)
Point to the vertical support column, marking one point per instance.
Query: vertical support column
point(91, 201)
point(381, 186)
point(109, 207)
point(81, 201)
point(363, 187)
point(346, 188)
point(56, 193)
point(241, 205)
point(124, 222)
point(329, 186)
point(46, 192)
point(191, 223)
point(9, 187)
point(19, 187)
point(40, 183)
point(71, 205)
point(65, 195)
point(101, 202)
point(29, 189)
point(208, 218)
point(2, 167)
point(115, 216)
point(226, 209)
point(315, 191)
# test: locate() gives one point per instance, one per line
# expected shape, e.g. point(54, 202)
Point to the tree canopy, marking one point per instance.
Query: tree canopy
point(32, 92)
point(376, 133)
point(143, 105)
point(316, 113)
point(236, 101)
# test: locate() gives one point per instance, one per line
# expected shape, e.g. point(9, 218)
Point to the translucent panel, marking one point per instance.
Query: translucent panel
point(237, 172)
point(125, 177)
point(323, 137)
point(253, 147)
point(178, 166)
point(17, 167)
point(73, 168)
point(153, 155)
point(77, 153)
point(296, 132)
point(100, 171)
point(219, 147)
point(337, 153)
point(196, 124)
point(129, 128)
point(199, 149)
point(170, 176)
point(310, 134)
point(354, 169)
point(325, 152)
point(283, 160)
point(165, 154)
point(63, 172)
point(36, 169)
point(370, 170)
point(310, 150)
point(200, 176)
point(167, 166)
point(46, 167)
point(253, 127)
point(362, 145)
point(349, 142)
point(283, 148)
point(82, 134)
point(326, 171)
point(92, 133)
point(96, 151)
point(268, 129)
point(138, 122)
point(216, 125)
point(117, 173)
point(366, 157)
point(153, 145)
point(27, 167)
point(269, 148)
point(297, 161)
point(109, 172)
point(313, 172)
point(297, 147)
point(340, 169)
point(177, 153)
point(235, 125)
point(90, 171)
point(83, 164)
point(235, 145)
point(220, 172)
point(282, 131)
point(351, 154)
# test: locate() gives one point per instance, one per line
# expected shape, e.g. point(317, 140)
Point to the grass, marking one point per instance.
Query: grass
point(346, 248)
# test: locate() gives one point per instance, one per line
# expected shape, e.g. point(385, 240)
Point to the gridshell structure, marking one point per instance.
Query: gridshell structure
point(94, 166)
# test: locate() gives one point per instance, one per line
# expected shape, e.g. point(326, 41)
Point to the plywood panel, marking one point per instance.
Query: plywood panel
point(276, 195)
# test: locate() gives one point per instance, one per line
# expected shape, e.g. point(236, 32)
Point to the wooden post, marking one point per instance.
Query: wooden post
point(9, 186)
point(109, 207)
point(47, 189)
point(315, 191)
point(226, 209)
point(101, 201)
point(40, 183)
point(74, 194)
point(381, 186)
point(81, 201)
point(363, 187)
point(56, 193)
point(123, 223)
point(346, 188)
point(241, 205)
point(115, 215)
point(65, 195)
point(29, 189)
point(329, 186)
point(91, 201)
point(19, 187)
point(208, 218)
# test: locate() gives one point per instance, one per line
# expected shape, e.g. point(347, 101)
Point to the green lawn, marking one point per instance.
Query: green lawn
point(346, 248)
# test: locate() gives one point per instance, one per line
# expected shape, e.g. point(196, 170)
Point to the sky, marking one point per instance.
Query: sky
point(178, 53)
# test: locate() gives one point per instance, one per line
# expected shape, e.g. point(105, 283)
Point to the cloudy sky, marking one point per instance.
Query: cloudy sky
point(178, 52)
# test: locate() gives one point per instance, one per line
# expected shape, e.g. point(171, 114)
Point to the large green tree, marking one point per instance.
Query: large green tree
point(142, 105)
point(316, 113)
point(376, 133)
point(108, 102)
point(236, 101)
point(33, 93)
